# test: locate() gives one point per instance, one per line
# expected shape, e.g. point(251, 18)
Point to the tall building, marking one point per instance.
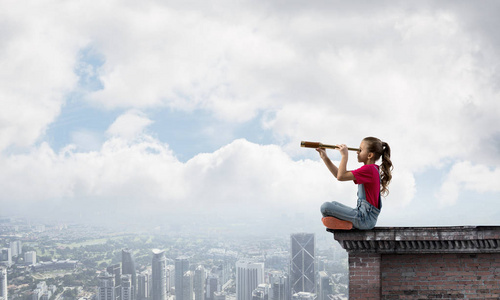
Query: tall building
point(3, 283)
point(6, 256)
point(41, 292)
point(324, 288)
point(279, 286)
point(248, 276)
point(106, 287)
point(16, 248)
point(116, 271)
point(170, 279)
point(30, 257)
point(127, 290)
point(211, 287)
point(128, 267)
point(143, 282)
point(159, 276)
point(188, 285)
point(261, 292)
point(302, 270)
point(199, 283)
point(181, 267)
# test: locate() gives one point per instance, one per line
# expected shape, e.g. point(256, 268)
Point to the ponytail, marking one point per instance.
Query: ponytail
point(386, 168)
point(381, 149)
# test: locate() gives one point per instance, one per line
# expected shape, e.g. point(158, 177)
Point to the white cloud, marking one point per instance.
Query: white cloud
point(37, 54)
point(466, 176)
point(129, 125)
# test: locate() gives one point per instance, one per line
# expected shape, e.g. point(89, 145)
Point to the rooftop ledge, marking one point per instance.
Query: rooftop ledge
point(401, 240)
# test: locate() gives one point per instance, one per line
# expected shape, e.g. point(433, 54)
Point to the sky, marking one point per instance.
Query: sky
point(195, 110)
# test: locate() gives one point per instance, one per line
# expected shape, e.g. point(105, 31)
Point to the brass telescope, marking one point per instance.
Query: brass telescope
point(320, 145)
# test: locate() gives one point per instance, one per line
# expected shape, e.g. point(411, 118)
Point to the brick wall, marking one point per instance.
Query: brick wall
point(364, 276)
point(440, 276)
point(460, 262)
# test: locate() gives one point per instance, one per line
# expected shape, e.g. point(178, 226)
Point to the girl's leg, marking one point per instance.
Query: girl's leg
point(339, 211)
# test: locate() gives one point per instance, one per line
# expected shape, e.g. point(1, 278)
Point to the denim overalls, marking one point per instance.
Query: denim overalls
point(364, 216)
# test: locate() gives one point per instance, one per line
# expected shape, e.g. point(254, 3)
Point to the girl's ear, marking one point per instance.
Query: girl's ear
point(370, 155)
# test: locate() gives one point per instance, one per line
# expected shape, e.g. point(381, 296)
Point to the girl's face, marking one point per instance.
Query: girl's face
point(363, 154)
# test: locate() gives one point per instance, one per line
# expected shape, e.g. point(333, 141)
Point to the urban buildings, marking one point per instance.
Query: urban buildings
point(302, 267)
point(248, 276)
point(324, 288)
point(143, 283)
point(106, 287)
point(16, 248)
point(211, 287)
point(199, 283)
point(128, 267)
point(279, 288)
point(159, 276)
point(261, 292)
point(6, 257)
point(181, 267)
point(127, 290)
point(115, 270)
point(3, 283)
point(187, 285)
point(30, 258)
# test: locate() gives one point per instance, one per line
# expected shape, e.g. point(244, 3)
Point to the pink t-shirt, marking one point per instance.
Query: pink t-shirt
point(369, 176)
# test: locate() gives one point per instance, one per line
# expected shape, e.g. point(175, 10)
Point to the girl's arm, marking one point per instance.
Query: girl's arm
point(342, 173)
point(327, 161)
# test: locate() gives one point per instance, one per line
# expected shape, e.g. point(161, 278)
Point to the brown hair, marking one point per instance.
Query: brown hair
point(381, 149)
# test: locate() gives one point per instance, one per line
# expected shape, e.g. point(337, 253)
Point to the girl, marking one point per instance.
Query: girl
point(371, 182)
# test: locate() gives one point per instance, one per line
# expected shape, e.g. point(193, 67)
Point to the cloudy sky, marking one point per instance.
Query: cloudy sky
point(157, 108)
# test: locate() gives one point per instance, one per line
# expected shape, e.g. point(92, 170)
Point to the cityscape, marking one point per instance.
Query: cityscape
point(70, 261)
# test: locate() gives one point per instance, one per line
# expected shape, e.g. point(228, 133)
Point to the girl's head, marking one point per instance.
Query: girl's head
point(380, 149)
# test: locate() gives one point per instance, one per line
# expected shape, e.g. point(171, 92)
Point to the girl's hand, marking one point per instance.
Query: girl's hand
point(322, 153)
point(343, 149)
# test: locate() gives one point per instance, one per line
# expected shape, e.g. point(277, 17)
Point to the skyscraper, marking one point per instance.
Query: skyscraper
point(199, 283)
point(279, 286)
point(325, 288)
point(181, 267)
point(6, 256)
point(106, 287)
point(248, 276)
point(116, 271)
point(143, 286)
point(261, 292)
point(302, 271)
point(3, 283)
point(30, 257)
point(16, 248)
point(128, 267)
point(188, 285)
point(211, 287)
point(127, 291)
point(170, 279)
point(159, 290)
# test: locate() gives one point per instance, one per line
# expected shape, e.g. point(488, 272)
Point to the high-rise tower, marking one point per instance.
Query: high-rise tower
point(199, 283)
point(143, 281)
point(302, 271)
point(248, 276)
point(159, 289)
point(106, 287)
point(128, 267)
point(3, 283)
point(127, 291)
point(181, 267)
